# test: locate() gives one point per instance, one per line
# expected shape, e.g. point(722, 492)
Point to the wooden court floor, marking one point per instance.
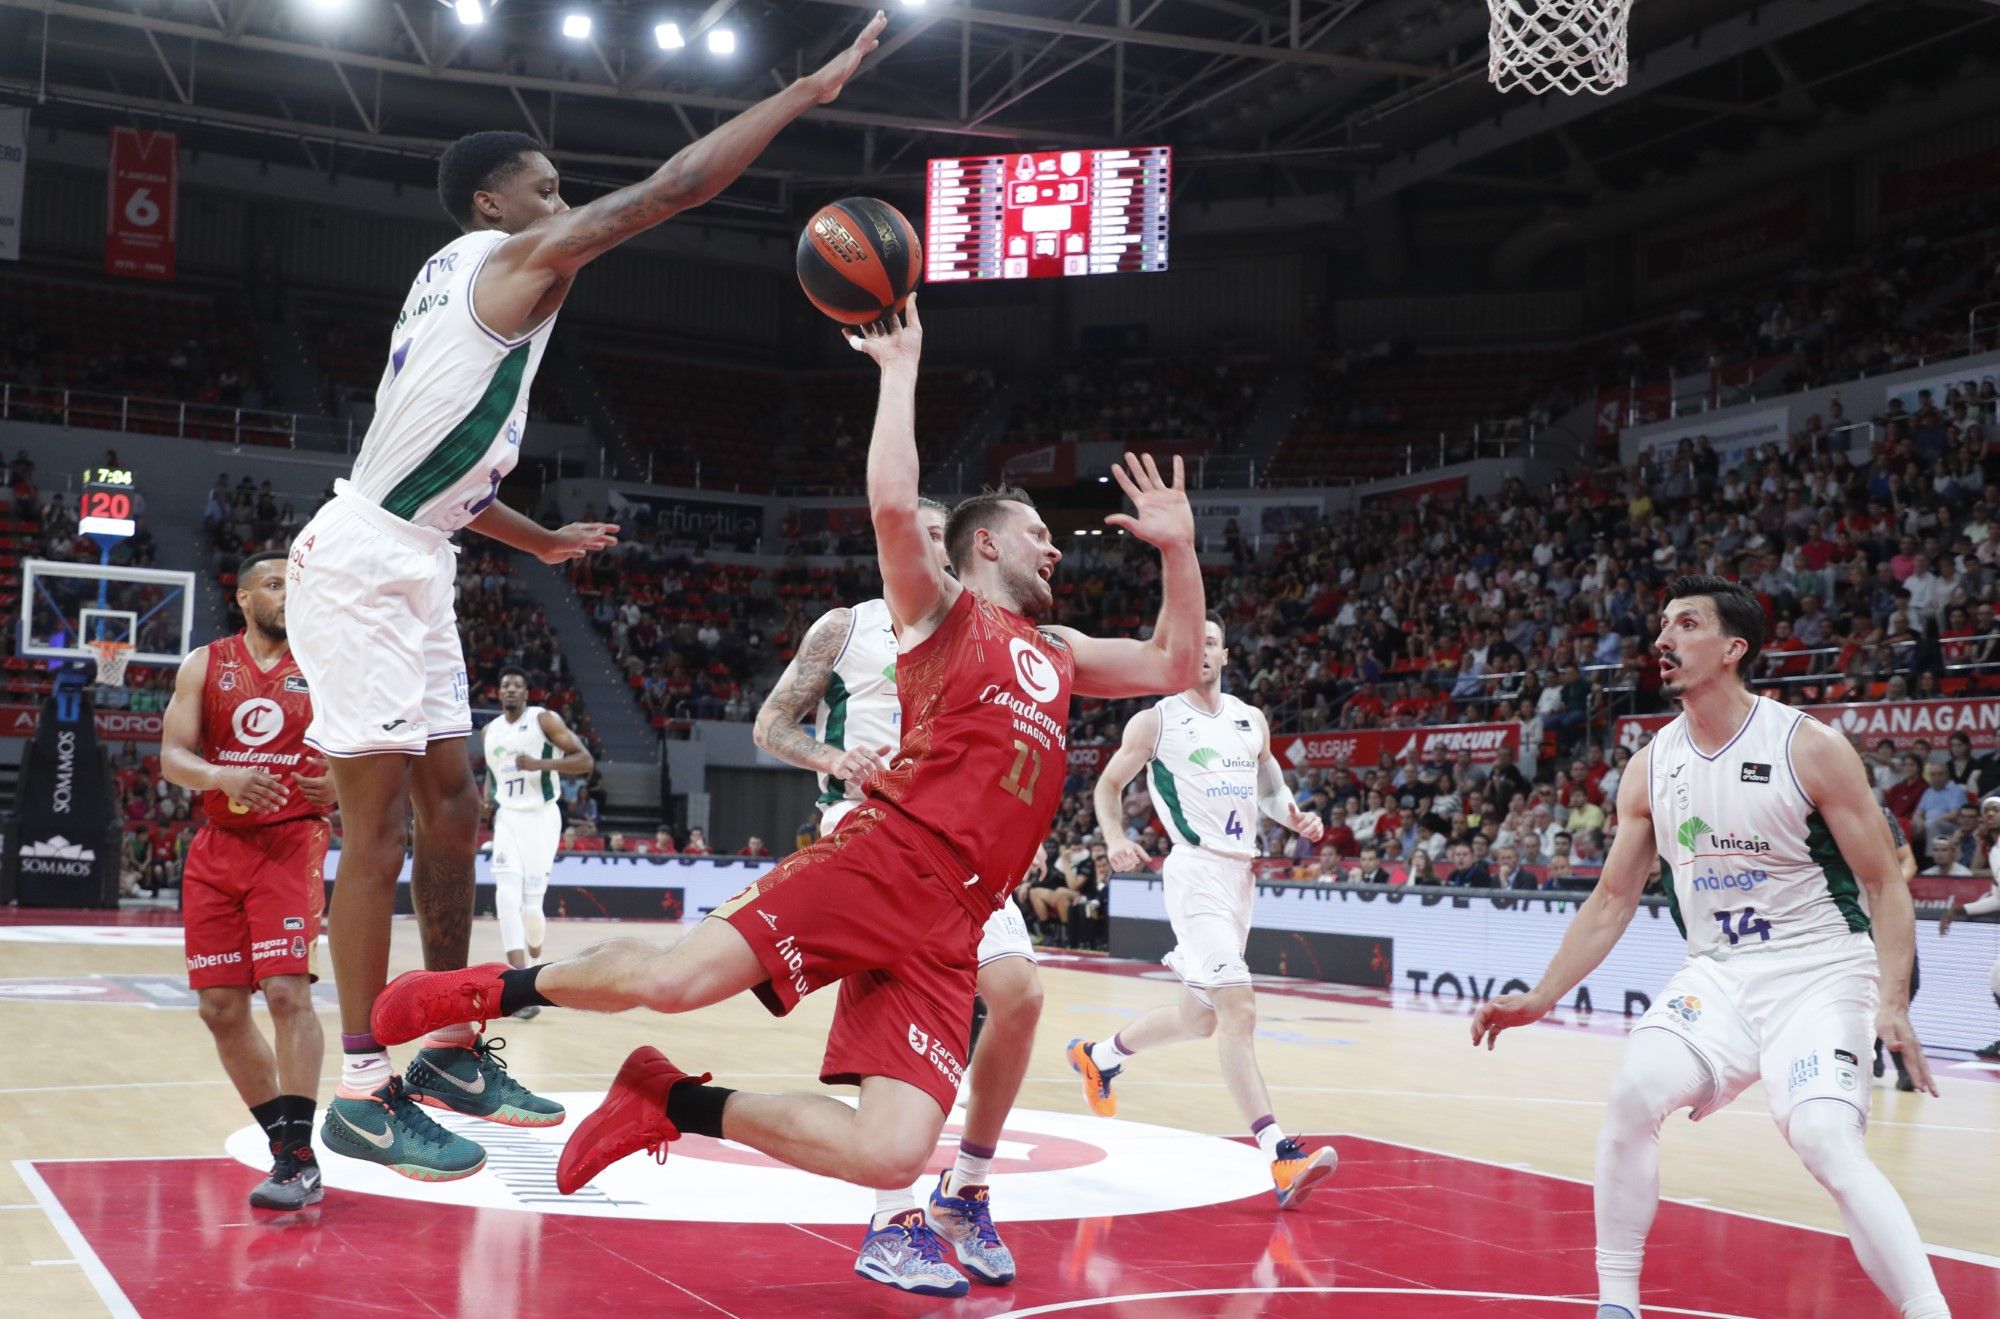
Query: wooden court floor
point(108, 1062)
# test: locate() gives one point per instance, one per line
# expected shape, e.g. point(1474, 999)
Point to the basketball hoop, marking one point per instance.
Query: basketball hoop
point(112, 657)
point(1566, 46)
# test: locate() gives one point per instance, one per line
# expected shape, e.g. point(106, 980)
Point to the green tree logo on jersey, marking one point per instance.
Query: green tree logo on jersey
point(1203, 757)
point(889, 672)
point(1692, 829)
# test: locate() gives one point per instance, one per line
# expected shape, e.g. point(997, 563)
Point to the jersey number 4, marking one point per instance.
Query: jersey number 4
point(1747, 924)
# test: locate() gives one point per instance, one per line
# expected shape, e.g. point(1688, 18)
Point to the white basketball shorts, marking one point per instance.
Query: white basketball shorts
point(1801, 1021)
point(525, 841)
point(1005, 935)
point(1208, 897)
point(369, 607)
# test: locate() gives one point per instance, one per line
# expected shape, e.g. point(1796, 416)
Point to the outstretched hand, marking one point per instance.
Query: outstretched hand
point(896, 338)
point(826, 83)
point(578, 539)
point(1162, 516)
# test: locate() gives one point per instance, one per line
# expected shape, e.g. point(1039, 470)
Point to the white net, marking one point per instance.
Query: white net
point(1566, 46)
point(112, 656)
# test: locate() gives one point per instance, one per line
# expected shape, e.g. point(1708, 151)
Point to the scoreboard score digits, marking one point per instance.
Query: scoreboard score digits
point(1038, 214)
point(107, 508)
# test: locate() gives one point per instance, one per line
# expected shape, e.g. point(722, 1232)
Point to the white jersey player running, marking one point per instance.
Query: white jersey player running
point(1989, 818)
point(1777, 864)
point(372, 580)
point(527, 747)
point(845, 676)
point(1211, 772)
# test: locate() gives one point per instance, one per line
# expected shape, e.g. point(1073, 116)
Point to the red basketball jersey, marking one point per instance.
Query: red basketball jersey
point(257, 717)
point(985, 745)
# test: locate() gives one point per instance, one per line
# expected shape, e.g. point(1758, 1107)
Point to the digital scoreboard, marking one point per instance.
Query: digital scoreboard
point(1038, 214)
point(107, 508)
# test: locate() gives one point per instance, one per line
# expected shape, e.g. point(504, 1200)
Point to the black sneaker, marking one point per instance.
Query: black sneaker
point(1991, 1053)
point(293, 1184)
point(528, 1012)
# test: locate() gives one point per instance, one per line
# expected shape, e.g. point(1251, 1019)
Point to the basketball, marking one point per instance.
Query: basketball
point(858, 259)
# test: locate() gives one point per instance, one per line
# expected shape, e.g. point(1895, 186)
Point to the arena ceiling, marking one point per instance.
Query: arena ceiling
point(1282, 112)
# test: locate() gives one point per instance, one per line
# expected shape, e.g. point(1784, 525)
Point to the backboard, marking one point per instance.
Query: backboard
point(64, 605)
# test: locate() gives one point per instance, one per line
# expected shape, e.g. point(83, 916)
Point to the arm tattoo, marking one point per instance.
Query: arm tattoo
point(800, 690)
point(605, 223)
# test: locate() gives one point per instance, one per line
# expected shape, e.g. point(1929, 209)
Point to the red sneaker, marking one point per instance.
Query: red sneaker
point(633, 1117)
point(417, 1002)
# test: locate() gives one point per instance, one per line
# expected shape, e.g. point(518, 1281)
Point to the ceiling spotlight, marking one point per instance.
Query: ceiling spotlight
point(576, 26)
point(669, 36)
point(913, 4)
point(721, 41)
point(469, 13)
point(328, 6)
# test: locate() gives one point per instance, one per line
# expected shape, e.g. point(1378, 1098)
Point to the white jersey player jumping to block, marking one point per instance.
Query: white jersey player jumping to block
point(1777, 865)
point(372, 588)
point(846, 668)
point(527, 747)
point(1211, 773)
point(1985, 905)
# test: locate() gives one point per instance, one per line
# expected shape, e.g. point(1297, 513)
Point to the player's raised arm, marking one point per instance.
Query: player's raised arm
point(1602, 918)
point(575, 758)
point(914, 582)
point(523, 270)
point(1832, 779)
point(1142, 733)
point(1115, 667)
point(181, 761)
point(1274, 797)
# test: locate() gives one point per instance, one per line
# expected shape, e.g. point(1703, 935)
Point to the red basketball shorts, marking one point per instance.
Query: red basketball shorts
point(864, 906)
point(251, 901)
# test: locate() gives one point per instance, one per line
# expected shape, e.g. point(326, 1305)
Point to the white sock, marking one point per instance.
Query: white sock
point(365, 1073)
point(1107, 1055)
point(967, 1171)
point(890, 1203)
point(1826, 1133)
point(1660, 1074)
point(1269, 1138)
point(464, 1035)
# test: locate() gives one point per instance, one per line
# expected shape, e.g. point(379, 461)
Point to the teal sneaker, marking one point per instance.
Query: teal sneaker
point(387, 1128)
point(471, 1079)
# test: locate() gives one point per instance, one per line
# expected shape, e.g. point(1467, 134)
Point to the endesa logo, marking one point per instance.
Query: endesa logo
point(1721, 881)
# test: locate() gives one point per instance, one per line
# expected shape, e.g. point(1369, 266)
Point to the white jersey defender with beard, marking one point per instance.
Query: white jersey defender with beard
point(1750, 865)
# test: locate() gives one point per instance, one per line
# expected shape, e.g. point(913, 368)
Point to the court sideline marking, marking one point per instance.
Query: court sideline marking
point(1093, 1302)
point(100, 1277)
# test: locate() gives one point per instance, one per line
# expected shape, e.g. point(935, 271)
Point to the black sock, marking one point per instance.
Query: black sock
point(517, 990)
point(271, 1115)
point(696, 1109)
point(298, 1125)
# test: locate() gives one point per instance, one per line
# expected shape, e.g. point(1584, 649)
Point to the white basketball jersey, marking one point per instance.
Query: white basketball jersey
point(520, 789)
point(1750, 862)
point(861, 707)
point(453, 399)
point(1203, 776)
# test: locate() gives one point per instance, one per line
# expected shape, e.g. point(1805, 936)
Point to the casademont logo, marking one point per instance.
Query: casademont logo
point(1691, 831)
point(1203, 757)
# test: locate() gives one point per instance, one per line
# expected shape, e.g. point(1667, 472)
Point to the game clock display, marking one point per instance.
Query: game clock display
point(1039, 214)
point(107, 507)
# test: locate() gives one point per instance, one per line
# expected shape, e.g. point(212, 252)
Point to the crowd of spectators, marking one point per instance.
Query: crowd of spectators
point(1203, 397)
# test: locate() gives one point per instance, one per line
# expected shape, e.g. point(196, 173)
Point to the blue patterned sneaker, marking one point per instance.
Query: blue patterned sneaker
point(907, 1255)
point(388, 1128)
point(1610, 1311)
point(965, 1222)
point(471, 1079)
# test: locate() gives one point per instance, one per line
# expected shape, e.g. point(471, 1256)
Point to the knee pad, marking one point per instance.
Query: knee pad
point(532, 920)
point(507, 905)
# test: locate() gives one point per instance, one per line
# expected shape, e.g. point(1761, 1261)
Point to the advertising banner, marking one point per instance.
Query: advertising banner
point(1461, 950)
point(62, 846)
point(13, 180)
point(1774, 230)
point(695, 517)
point(1488, 744)
point(140, 204)
point(1919, 187)
point(1903, 722)
point(112, 725)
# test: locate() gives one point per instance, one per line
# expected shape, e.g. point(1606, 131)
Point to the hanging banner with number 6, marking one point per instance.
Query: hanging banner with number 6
point(139, 224)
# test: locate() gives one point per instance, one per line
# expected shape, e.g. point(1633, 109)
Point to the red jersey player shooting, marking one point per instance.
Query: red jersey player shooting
point(890, 905)
point(253, 887)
